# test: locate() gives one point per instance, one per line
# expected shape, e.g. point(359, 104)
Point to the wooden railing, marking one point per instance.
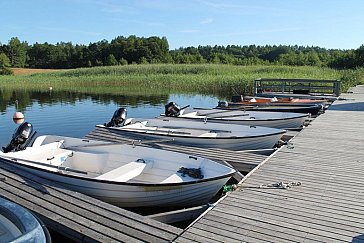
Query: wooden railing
point(297, 86)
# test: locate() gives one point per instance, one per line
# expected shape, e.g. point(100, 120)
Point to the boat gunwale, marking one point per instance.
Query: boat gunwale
point(300, 109)
point(14, 163)
point(282, 131)
point(262, 120)
point(241, 106)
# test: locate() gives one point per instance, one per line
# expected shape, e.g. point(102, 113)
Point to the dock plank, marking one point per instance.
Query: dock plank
point(278, 208)
point(330, 210)
point(280, 232)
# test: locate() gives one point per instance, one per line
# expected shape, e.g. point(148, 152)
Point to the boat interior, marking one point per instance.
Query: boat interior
point(148, 127)
point(117, 162)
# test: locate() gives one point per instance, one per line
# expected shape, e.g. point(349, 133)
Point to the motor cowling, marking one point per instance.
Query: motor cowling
point(118, 119)
point(222, 104)
point(172, 109)
point(21, 138)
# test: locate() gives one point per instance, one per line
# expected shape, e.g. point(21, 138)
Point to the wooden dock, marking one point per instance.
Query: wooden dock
point(324, 164)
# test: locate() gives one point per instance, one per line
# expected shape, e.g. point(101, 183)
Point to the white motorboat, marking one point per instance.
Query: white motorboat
point(284, 120)
point(17, 224)
point(191, 133)
point(121, 174)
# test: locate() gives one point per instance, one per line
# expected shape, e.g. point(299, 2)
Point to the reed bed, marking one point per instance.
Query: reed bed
point(167, 78)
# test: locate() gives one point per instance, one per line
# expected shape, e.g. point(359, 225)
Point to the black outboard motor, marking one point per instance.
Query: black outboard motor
point(222, 104)
point(21, 139)
point(118, 119)
point(172, 109)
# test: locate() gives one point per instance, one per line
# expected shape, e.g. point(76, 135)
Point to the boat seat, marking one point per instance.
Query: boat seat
point(173, 179)
point(39, 142)
point(58, 157)
point(49, 154)
point(123, 173)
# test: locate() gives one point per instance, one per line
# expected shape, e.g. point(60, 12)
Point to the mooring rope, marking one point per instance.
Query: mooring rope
point(278, 185)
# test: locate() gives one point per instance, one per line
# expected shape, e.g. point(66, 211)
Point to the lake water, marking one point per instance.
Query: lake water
point(76, 114)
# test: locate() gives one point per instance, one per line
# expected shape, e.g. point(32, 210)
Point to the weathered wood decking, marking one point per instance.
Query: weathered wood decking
point(327, 158)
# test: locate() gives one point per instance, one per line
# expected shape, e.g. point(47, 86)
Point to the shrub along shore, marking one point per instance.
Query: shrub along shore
point(215, 79)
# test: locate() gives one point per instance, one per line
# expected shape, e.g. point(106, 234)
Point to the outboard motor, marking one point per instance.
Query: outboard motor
point(222, 104)
point(172, 109)
point(21, 139)
point(118, 119)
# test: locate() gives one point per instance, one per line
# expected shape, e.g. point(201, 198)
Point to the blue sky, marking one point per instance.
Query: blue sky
point(326, 23)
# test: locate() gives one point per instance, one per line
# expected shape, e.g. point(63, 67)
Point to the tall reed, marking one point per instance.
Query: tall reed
point(190, 78)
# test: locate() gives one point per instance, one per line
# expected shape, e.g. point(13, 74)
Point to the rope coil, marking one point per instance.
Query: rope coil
point(191, 172)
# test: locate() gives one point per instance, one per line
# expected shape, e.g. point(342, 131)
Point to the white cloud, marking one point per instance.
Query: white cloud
point(188, 31)
point(207, 21)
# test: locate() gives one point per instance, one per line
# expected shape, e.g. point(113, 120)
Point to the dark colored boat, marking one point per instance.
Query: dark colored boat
point(312, 109)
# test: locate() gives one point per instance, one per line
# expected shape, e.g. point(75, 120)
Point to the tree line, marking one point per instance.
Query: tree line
point(140, 50)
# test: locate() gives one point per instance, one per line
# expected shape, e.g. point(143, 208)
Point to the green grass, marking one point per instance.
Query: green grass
point(222, 80)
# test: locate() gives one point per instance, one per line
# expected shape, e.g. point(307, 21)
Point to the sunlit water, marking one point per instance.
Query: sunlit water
point(75, 114)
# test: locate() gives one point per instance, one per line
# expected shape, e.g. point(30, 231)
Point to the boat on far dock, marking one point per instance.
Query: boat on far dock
point(287, 101)
point(283, 120)
point(195, 133)
point(298, 108)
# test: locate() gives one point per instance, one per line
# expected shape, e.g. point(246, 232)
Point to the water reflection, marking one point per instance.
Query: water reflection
point(27, 98)
point(76, 114)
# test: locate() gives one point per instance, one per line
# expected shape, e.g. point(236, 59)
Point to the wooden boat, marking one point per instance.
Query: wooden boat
point(288, 101)
point(121, 174)
point(331, 98)
point(18, 224)
point(250, 118)
point(193, 133)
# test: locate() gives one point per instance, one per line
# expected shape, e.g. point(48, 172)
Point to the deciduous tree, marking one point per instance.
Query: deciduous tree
point(5, 65)
point(17, 52)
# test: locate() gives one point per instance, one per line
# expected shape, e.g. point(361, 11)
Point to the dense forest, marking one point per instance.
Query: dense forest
point(140, 50)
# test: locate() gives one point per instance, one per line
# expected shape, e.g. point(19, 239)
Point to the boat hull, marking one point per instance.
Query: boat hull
point(280, 120)
point(268, 103)
point(231, 143)
point(17, 224)
point(293, 123)
point(313, 110)
point(136, 194)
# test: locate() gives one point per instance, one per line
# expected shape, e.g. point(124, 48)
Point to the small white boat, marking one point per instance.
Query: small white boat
point(284, 120)
point(17, 224)
point(192, 133)
point(121, 174)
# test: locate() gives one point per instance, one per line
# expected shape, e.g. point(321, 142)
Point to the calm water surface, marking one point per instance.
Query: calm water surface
point(76, 114)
